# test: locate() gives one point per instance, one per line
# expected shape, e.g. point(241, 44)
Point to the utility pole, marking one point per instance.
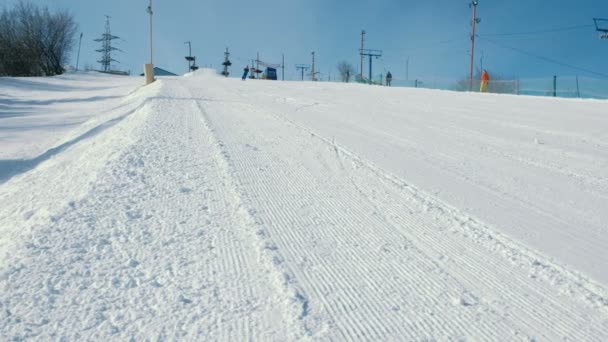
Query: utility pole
point(370, 54)
point(302, 68)
point(361, 52)
point(283, 67)
point(226, 63)
point(252, 74)
point(79, 45)
point(151, 12)
point(474, 22)
point(554, 86)
point(257, 60)
point(149, 67)
point(313, 74)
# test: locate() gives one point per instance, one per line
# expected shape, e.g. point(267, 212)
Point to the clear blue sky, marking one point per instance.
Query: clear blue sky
point(433, 34)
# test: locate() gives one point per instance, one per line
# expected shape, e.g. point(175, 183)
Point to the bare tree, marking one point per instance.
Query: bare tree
point(346, 70)
point(34, 42)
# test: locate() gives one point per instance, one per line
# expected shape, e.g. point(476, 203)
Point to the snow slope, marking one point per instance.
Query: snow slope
point(204, 208)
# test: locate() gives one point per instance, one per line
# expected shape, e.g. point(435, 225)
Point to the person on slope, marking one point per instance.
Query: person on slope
point(389, 78)
point(485, 78)
point(245, 72)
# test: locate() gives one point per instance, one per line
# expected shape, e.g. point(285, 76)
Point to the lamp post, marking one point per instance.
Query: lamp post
point(149, 68)
point(151, 12)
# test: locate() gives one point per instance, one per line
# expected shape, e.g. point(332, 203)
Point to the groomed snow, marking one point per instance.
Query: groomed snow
point(205, 208)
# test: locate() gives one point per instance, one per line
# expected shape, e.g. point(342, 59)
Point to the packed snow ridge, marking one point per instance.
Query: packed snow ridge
point(207, 208)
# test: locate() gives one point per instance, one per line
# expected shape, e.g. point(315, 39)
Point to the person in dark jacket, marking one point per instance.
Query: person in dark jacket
point(245, 72)
point(389, 78)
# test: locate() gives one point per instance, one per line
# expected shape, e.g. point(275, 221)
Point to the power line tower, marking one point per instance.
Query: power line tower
point(371, 53)
point(302, 68)
point(106, 47)
point(474, 22)
point(226, 63)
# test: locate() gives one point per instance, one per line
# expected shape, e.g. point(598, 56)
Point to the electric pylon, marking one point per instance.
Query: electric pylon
point(106, 47)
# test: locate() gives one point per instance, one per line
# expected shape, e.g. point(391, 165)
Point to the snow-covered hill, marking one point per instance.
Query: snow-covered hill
point(205, 208)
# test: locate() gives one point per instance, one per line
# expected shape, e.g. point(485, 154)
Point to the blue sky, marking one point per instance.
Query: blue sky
point(432, 34)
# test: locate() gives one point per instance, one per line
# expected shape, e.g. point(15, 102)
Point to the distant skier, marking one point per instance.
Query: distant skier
point(485, 78)
point(245, 72)
point(389, 78)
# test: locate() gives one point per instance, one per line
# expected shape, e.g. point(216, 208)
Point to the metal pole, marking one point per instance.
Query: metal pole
point(189, 54)
point(79, 45)
point(283, 67)
point(554, 86)
point(151, 40)
point(370, 69)
point(474, 3)
point(361, 51)
point(313, 67)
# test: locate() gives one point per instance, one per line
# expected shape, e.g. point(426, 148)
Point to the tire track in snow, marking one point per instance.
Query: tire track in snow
point(418, 231)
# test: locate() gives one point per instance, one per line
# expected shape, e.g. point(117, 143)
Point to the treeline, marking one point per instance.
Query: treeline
point(34, 41)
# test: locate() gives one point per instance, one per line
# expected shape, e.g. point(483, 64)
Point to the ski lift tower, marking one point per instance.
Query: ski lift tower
point(601, 25)
point(226, 63)
point(191, 59)
point(302, 68)
point(371, 53)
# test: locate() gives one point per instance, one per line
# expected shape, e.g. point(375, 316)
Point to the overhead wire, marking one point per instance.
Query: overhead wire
point(546, 59)
point(526, 33)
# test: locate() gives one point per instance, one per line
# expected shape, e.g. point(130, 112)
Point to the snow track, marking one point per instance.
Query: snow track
point(159, 248)
point(377, 258)
point(205, 213)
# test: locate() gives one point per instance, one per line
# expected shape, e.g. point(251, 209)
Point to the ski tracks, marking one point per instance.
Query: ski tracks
point(225, 221)
point(161, 248)
point(377, 259)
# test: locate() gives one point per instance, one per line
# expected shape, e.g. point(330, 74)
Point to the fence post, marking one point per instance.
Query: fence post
point(554, 86)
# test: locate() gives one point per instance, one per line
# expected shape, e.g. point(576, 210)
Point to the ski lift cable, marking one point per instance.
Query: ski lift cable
point(546, 59)
point(435, 45)
point(558, 29)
